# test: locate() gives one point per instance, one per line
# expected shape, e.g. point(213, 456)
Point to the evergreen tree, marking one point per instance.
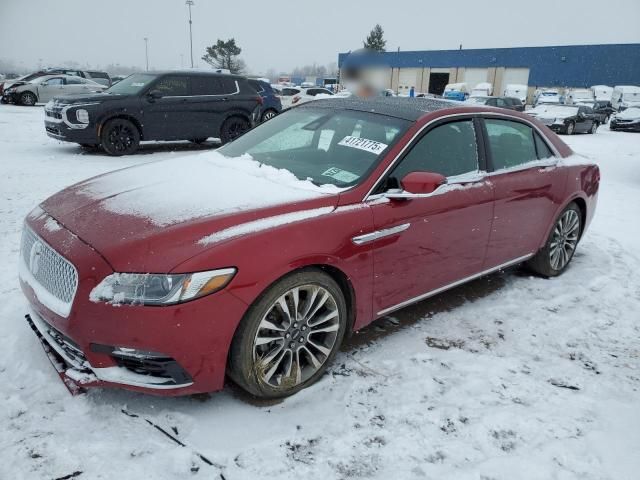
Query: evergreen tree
point(225, 55)
point(375, 41)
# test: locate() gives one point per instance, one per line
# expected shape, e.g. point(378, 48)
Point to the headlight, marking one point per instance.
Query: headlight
point(159, 289)
point(82, 115)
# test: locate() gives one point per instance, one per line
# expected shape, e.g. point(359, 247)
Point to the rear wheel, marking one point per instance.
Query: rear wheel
point(269, 114)
point(232, 128)
point(553, 258)
point(28, 99)
point(289, 336)
point(120, 137)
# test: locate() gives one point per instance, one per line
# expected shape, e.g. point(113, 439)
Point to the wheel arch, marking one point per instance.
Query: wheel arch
point(123, 116)
point(32, 92)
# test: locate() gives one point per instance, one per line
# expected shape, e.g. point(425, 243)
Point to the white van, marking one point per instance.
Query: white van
point(579, 95)
point(517, 91)
point(484, 89)
point(625, 96)
point(602, 92)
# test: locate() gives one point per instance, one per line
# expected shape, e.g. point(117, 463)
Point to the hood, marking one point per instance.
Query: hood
point(90, 97)
point(152, 217)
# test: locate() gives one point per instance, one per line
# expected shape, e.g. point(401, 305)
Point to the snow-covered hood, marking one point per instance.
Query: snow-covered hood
point(169, 206)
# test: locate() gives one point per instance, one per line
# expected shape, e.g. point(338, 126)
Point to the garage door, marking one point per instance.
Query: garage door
point(518, 76)
point(474, 76)
point(408, 77)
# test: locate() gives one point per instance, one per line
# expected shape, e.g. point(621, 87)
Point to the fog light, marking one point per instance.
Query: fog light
point(82, 115)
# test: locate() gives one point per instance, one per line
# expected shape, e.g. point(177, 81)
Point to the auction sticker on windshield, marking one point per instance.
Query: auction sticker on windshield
point(363, 144)
point(340, 175)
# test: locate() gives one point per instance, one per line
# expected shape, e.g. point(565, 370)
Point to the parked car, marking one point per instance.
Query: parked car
point(44, 88)
point(117, 78)
point(578, 95)
point(308, 94)
point(484, 89)
point(156, 106)
point(567, 119)
point(602, 92)
point(171, 276)
point(517, 91)
point(271, 104)
point(602, 109)
point(286, 95)
point(547, 97)
point(456, 91)
point(625, 96)
point(628, 120)
point(102, 78)
point(18, 81)
point(510, 103)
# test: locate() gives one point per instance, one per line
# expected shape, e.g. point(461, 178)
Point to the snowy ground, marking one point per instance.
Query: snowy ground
point(509, 377)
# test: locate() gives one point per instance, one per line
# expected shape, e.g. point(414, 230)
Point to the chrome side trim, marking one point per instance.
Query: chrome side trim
point(454, 115)
point(373, 236)
point(454, 284)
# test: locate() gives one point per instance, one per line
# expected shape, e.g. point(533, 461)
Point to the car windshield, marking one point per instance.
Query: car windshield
point(337, 147)
point(132, 84)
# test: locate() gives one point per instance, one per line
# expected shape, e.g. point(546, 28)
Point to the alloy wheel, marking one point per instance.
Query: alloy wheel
point(570, 128)
point(236, 128)
point(28, 99)
point(296, 336)
point(564, 240)
point(269, 114)
point(121, 138)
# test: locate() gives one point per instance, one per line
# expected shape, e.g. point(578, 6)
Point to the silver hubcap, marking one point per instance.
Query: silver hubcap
point(564, 239)
point(296, 336)
point(269, 115)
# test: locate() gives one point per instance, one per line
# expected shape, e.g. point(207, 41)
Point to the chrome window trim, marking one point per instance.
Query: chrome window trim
point(431, 293)
point(210, 95)
point(456, 115)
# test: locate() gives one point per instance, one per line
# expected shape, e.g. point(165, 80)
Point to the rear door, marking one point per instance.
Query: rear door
point(585, 119)
point(76, 85)
point(528, 189)
point(51, 88)
point(429, 242)
point(212, 98)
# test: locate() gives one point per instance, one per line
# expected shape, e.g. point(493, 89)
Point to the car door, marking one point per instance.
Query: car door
point(166, 111)
point(75, 86)
point(584, 119)
point(210, 99)
point(428, 242)
point(50, 88)
point(528, 189)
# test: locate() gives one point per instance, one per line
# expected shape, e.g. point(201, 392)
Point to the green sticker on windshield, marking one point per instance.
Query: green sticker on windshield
point(340, 175)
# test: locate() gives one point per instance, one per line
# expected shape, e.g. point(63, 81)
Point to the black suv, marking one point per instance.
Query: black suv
point(156, 106)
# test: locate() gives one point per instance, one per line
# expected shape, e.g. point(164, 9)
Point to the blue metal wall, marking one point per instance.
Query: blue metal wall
point(571, 66)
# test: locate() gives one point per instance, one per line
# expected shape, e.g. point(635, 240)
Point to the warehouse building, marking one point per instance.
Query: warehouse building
point(571, 66)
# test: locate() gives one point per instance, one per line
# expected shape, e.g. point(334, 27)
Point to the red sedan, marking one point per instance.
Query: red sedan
point(256, 260)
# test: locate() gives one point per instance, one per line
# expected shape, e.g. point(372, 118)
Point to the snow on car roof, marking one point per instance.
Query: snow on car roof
point(399, 107)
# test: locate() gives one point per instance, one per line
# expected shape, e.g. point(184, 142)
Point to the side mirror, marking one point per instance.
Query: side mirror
point(416, 184)
point(154, 94)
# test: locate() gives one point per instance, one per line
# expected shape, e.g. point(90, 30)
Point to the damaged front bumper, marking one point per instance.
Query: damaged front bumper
point(147, 370)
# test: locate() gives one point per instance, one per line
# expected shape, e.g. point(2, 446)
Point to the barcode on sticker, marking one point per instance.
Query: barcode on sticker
point(363, 144)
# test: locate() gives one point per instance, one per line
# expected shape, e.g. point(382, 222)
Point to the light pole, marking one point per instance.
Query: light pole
point(146, 51)
point(189, 4)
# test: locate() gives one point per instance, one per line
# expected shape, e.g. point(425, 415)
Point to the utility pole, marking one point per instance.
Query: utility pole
point(189, 3)
point(146, 51)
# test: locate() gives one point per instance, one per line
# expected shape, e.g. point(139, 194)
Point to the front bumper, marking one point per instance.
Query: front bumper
point(10, 97)
point(58, 125)
point(170, 351)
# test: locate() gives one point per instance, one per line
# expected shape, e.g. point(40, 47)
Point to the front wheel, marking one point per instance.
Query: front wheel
point(28, 99)
point(120, 137)
point(552, 259)
point(232, 128)
point(289, 336)
point(571, 128)
point(594, 128)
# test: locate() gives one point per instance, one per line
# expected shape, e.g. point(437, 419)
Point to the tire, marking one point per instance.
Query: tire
point(594, 128)
point(120, 137)
point(28, 99)
point(198, 141)
point(232, 128)
point(571, 128)
point(566, 231)
point(299, 351)
point(268, 115)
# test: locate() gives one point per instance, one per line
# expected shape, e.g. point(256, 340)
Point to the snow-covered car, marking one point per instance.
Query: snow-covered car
point(628, 120)
point(579, 95)
point(456, 91)
point(309, 94)
point(516, 90)
point(255, 261)
point(567, 119)
point(625, 96)
point(602, 92)
point(484, 89)
point(46, 87)
point(510, 103)
point(547, 97)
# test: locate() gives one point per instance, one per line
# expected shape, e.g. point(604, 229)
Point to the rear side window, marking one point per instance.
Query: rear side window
point(206, 85)
point(229, 85)
point(75, 80)
point(98, 75)
point(257, 86)
point(542, 148)
point(54, 81)
point(449, 150)
point(511, 143)
point(173, 86)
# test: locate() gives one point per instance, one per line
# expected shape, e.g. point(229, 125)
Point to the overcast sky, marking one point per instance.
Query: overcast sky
point(283, 35)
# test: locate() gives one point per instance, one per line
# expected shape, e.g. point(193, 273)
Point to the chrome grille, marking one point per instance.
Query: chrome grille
point(47, 267)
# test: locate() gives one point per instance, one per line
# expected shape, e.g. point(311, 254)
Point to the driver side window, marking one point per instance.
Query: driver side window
point(53, 81)
point(448, 149)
